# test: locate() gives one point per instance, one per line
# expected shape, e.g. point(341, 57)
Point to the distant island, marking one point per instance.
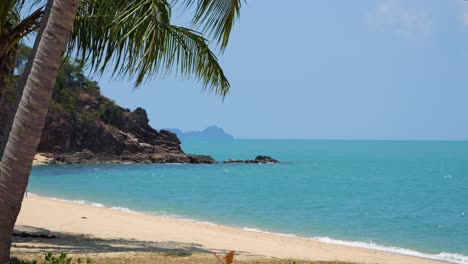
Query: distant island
point(212, 132)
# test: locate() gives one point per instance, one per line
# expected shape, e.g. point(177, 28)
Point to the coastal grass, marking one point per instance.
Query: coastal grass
point(169, 258)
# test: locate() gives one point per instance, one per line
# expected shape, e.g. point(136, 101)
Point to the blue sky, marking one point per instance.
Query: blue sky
point(301, 69)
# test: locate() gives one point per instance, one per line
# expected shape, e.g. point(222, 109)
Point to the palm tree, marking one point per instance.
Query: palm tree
point(12, 30)
point(29, 121)
point(135, 36)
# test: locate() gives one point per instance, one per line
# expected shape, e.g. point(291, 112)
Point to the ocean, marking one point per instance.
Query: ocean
point(409, 197)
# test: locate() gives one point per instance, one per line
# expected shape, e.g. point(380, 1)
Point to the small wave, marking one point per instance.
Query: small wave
point(444, 256)
point(251, 229)
point(100, 205)
point(164, 214)
point(206, 223)
point(448, 176)
point(168, 215)
point(68, 201)
point(123, 209)
point(182, 219)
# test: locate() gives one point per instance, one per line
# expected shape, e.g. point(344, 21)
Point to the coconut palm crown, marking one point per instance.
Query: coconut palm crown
point(134, 39)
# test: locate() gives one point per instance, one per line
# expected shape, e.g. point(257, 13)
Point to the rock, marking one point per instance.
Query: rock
point(265, 159)
point(141, 118)
point(258, 160)
point(169, 158)
point(84, 127)
point(234, 161)
point(201, 159)
point(87, 158)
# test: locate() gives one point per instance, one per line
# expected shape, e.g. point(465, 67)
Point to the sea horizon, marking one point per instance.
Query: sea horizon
point(318, 139)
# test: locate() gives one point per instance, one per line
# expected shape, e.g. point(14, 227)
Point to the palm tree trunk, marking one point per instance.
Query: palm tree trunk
point(29, 120)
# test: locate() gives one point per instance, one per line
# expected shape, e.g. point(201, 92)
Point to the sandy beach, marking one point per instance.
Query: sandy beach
point(40, 159)
point(89, 229)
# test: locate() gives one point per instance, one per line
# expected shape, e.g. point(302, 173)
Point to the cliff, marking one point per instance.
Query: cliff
point(83, 126)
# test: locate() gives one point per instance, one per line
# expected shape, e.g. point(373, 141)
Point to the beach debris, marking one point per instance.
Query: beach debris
point(228, 259)
point(84, 217)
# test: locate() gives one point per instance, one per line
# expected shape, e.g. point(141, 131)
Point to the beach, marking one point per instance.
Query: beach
point(76, 224)
point(40, 159)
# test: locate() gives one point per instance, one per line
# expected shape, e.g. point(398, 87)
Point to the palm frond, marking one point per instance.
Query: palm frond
point(12, 12)
point(26, 26)
point(216, 18)
point(139, 40)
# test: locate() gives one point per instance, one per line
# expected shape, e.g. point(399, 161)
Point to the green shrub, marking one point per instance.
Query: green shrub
point(51, 259)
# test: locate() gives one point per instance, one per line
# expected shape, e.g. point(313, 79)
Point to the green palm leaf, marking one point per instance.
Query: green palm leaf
point(137, 37)
point(214, 17)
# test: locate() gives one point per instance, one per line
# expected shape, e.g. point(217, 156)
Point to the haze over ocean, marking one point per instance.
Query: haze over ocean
point(406, 194)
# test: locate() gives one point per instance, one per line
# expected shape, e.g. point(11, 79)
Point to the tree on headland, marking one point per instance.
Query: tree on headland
point(132, 38)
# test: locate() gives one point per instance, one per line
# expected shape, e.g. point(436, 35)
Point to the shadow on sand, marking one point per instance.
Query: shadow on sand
point(84, 244)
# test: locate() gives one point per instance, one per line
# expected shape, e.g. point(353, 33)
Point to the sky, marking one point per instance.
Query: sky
point(301, 69)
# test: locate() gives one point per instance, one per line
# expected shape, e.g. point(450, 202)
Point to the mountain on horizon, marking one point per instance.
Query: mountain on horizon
point(212, 132)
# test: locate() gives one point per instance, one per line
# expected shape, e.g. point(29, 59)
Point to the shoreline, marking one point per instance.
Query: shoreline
point(111, 223)
point(41, 159)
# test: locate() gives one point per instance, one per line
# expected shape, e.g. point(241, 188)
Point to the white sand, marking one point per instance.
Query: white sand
point(105, 223)
point(40, 159)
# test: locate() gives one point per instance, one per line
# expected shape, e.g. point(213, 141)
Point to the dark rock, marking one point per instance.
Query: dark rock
point(84, 127)
point(201, 159)
point(265, 159)
point(258, 160)
point(109, 158)
point(234, 161)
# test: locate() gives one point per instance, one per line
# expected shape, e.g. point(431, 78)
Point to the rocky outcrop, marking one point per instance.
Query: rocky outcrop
point(88, 157)
point(100, 126)
point(258, 160)
point(84, 127)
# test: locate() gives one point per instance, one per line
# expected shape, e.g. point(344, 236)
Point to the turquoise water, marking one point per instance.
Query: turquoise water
point(376, 194)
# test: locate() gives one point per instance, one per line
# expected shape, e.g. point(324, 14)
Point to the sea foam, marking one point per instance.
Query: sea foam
point(443, 256)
